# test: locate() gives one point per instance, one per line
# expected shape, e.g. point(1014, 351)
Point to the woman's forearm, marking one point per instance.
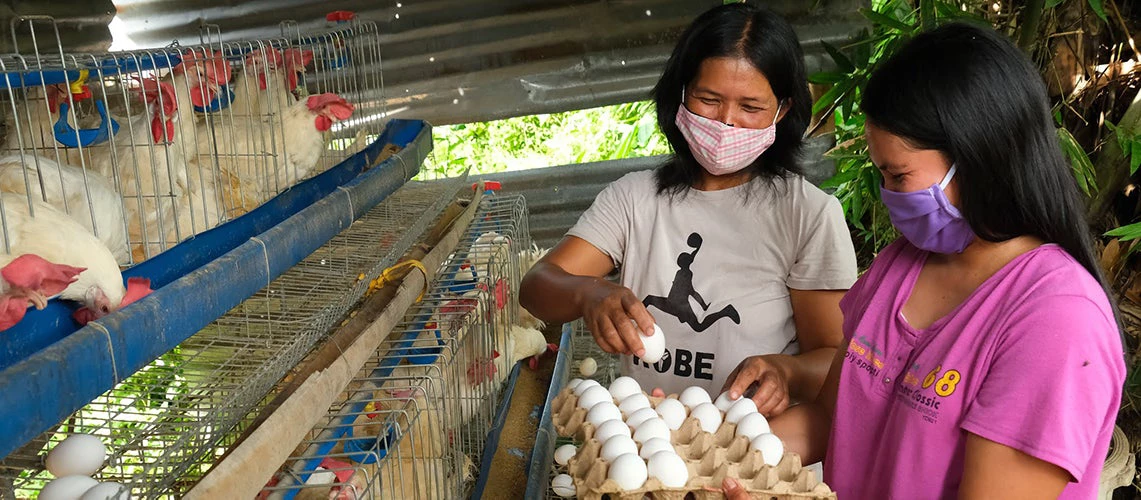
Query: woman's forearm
point(552, 294)
point(805, 372)
point(805, 431)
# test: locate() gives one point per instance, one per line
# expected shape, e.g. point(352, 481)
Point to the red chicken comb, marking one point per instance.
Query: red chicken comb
point(162, 124)
point(55, 94)
point(137, 288)
point(343, 470)
point(295, 62)
point(12, 310)
point(268, 56)
point(33, 272)
point(330, 108)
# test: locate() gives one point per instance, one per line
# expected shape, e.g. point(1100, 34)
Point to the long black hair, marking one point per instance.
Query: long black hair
point(971, 94)
point(768, 42)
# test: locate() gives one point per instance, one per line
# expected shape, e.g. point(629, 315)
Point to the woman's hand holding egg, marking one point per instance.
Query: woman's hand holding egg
point(770, 380)
point(616, 318)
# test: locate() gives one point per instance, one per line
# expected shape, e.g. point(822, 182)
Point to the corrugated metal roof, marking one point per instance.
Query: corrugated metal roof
point(456, 61)
point(83, 25)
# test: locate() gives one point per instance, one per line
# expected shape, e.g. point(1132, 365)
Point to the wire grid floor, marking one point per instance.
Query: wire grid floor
point(166, 424)
point(426, 441)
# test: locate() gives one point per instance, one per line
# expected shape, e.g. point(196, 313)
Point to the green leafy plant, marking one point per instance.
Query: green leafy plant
point(894, 22)
point(597, 134)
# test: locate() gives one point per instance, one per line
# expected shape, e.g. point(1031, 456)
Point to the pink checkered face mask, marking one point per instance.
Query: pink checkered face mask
point(723, 149)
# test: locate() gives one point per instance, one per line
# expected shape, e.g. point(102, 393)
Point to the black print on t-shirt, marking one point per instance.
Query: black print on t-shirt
point(677, 302)
point(684, 363)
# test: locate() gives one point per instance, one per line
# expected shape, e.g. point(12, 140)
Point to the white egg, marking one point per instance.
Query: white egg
point(708, 416)
point(693, 396)
point(635, 419)
point(672, 412)
point(668, 468)
point(107, 491)
point(563, 486)
point(68, 488)
point(602, 412)
point(772, 449)
point(655, 346)
point(573, 383)
point(584, 385)
point(649, 448)
point(623, 387)
point(752, 425)
point(78, 455)
point(633, 403)
point(611, 428)
point(723, 402)
point(617, 446)
point(593, 396)
point(742, 407)
point(629, 471)
point(652, 428)
point(588, 367)
point(564, 453)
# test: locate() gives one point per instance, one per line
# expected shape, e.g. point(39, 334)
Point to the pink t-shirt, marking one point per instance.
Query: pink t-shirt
point(1031, 360)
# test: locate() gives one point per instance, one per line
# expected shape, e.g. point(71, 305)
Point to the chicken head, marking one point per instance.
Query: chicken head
point(329, 108)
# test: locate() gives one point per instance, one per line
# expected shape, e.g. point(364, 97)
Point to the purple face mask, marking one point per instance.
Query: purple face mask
point(927, 219)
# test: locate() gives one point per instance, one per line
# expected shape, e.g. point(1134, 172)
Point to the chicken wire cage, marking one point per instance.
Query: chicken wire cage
point(169, 422)
point(415, 420)
point(576, 345)
point(147, 148)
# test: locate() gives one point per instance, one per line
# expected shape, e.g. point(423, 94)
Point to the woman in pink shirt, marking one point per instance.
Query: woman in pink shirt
point(983, 358)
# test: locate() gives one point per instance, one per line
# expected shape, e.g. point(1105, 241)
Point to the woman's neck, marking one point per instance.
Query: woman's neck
point(710, 182)
point(989, 256)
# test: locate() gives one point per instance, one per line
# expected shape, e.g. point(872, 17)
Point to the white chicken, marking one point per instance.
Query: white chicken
point(58, 239)
point(265, 85)
point(67, 188)
point(150, 169)
point(259, 165)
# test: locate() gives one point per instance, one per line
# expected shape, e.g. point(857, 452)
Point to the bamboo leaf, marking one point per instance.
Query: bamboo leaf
point(1079, 161)
point(926, 14)
point(888, 21)
point(1127, 232)
point(1135, 157)
point(841, 60)
point(1099, 10)
point(1050, 4)
point(825, 77)
point(834, 94)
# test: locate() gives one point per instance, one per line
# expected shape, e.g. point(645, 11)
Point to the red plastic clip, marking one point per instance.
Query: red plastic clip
point(487, 186)
point(340, 16)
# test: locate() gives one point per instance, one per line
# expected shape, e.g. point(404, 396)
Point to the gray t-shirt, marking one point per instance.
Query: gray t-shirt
point(714, 269)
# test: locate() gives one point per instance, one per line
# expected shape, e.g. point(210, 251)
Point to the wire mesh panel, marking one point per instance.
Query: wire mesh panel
point(166, 424)
point(414, 421)
point(148, 148)
point(580, 346)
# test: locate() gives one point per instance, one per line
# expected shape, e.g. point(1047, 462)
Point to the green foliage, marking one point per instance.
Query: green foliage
point(597, 134)
point(893, 23)
point(1130, 144)
point(856, 182)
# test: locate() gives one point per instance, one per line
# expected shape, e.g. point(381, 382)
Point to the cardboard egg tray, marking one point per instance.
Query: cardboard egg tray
point(710, 458)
